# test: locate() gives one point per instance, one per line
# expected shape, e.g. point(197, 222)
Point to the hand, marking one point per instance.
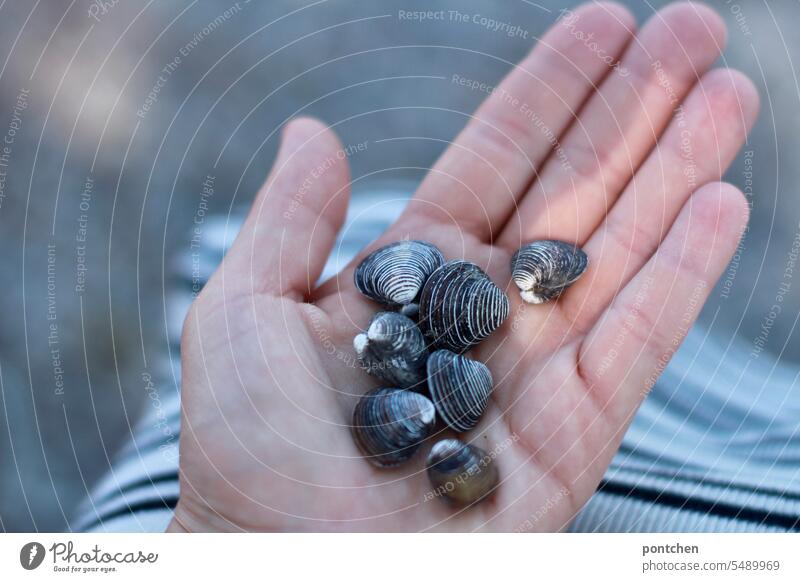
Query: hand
point(269, 382)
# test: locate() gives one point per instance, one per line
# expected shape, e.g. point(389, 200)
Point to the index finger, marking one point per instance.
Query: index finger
point(480, 177)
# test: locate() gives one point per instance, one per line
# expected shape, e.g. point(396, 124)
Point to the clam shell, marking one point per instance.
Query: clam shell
point(393, 349)
point(460, 306)
point(394, 274)
point(459, 388)
point(389, 425)
point(544, 269)
point(461, 473)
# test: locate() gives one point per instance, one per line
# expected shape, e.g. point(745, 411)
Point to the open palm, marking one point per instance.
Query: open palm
point(601, 137)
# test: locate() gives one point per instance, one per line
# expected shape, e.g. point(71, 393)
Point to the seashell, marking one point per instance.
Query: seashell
point(393, 349)
point(394, 274)
point(461, 473)
point(411, 310)
point(545, 268)
point(459, 388)
point(389, 425)
point(460, 306)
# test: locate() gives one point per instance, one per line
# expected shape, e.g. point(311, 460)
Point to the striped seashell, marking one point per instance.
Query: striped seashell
point(460, 306)
point(460, 473)
point(394, 274)
point(389, 425)
point(459, 388)
point(393, 349)
point(544, 269)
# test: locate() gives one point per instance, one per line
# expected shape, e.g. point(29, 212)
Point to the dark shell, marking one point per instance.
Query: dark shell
point(460, 306)
point(459, 388)
point(411, 310)
point(393, 349)
point(544, 269)
point(389, 425)
point(394, 274)
point(461, 473)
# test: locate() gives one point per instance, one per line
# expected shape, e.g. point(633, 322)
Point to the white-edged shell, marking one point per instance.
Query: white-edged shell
point(460, 473)
point(389, 425)
point(459, 388)
point(544, 269)
point(393, 349)
point(460, 306)
point(395, 274)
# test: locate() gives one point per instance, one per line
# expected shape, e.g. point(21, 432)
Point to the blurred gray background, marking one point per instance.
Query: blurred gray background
point(87, 161)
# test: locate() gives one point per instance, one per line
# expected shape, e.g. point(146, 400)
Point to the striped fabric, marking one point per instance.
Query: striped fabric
point(715, 446)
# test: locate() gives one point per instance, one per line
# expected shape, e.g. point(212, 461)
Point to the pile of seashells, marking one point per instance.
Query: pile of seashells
point(437, 311)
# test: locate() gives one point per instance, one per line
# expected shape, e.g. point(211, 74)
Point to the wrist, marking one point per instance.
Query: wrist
point(190, 518)
point(175, 526)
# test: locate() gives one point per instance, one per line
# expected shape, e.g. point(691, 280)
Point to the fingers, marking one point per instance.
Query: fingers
point(481, 175)
point(700, 143)
point(634, 339)
point(619, 126)
point(292, 225)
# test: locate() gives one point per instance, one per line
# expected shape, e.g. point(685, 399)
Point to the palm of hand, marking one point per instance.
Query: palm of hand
point(269, 379)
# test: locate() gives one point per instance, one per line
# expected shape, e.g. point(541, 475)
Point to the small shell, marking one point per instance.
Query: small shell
point(459, 388)
point(394, 274)
point(411, 310)
point(544, 269)
point(393, 349)
point(460, 306)
point(461, 473)
point(389, 425)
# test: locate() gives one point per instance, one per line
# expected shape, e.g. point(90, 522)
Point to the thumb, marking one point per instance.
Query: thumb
point(293, 222)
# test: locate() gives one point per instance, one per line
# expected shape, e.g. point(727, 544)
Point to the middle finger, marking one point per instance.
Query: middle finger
point(619, 126)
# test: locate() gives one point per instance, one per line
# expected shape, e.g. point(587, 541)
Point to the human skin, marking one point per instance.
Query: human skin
point(268, 382)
